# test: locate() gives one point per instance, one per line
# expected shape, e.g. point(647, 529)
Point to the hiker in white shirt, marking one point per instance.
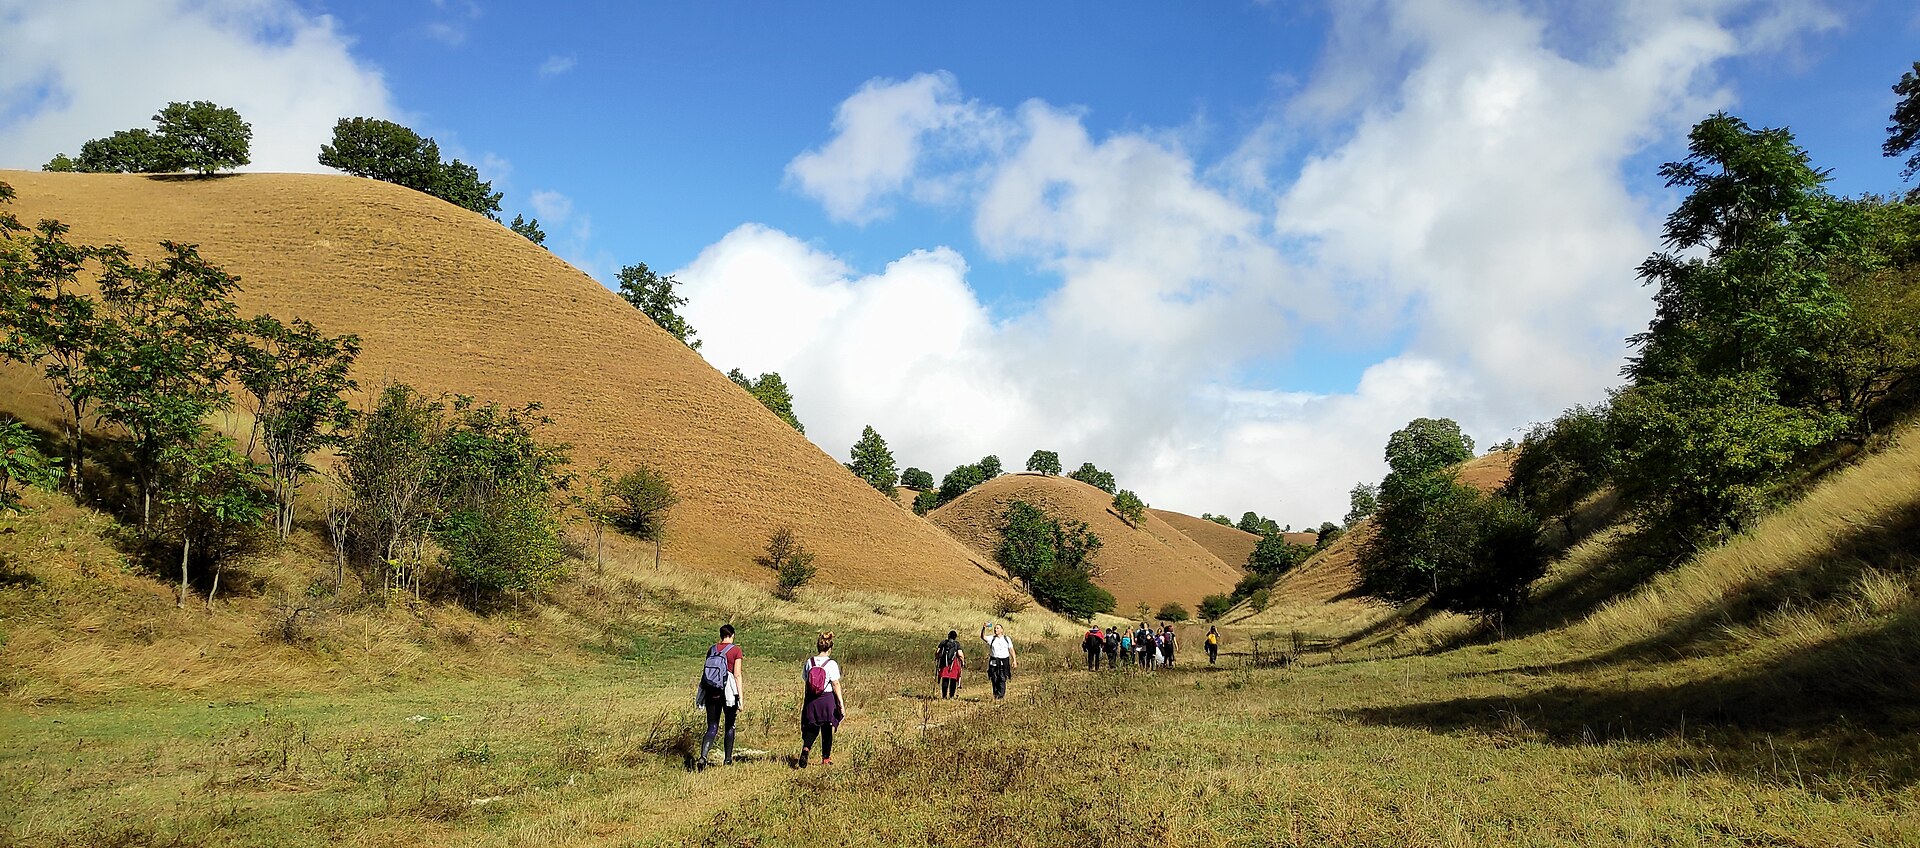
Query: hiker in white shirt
point(1002, 659)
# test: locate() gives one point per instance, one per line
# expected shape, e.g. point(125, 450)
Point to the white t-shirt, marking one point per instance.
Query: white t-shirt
point(999, 647)
point(833, 672)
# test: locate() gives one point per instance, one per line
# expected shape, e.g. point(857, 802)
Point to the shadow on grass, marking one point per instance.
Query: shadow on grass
point(1825, 711)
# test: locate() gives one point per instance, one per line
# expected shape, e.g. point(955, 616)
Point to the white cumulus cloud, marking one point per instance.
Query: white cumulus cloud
point(81, 69)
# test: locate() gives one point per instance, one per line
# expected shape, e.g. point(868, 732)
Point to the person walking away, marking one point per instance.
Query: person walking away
point(1126, 646)
point(1167, 638)
point(947, 661)
point(1001, 658)
point(1113, 647)
point(1091, 645)
point(722, 686)
point(1213, 645)
point(824, 703)
point(1142, 644)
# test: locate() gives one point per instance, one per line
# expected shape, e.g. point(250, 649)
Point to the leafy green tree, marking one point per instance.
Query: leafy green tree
point(48, 321)
point(1427, 444)
point(1252, 522)
point(1129, 507)
point(1563, 462)
point(162, 358)
point(772, 393)
point(492, 509)
point(1274, 556)
point(641, 499)
point(914, 478)
point(1214, 607)
point(459, 183)
point(127, 152)
point(294, 379)
point(1071, 592)
point(1260, 598)
point(1172, 612)
point(1044, 461)
point(385, 151)
point(1903, 128)
point(1026, 541)
point(202, 136)
point(1328, 533)
point(926, 502)
point(1856, 364)
point(509, 541)
point(60, 164)
point(21, 463)
point(388, 472)
point(792, 564)
point(1053, 559)
point(1445, 541)
point(215, 502)
point(1362, 501)
point(1094, 477)
point(653, 294)
point(529, 227)
point(989, 466)
point(1217, 519)
point(959, 480)
point(873, 462)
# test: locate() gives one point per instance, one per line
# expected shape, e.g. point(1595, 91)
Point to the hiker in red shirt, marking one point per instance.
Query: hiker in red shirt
point(948, 659)
point(723, 683)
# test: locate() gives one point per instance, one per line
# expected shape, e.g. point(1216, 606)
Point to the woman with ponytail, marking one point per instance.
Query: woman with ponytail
point(823, 703)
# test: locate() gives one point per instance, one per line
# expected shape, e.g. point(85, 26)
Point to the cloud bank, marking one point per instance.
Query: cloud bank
point(1464, 189)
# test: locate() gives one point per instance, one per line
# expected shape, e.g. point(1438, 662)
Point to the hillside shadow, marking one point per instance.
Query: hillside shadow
point(189, 178)
point(1826, 710)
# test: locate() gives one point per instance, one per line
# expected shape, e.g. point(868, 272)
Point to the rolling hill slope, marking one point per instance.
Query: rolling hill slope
point(449, 301)
point(1154, 563)
point(1230, 545)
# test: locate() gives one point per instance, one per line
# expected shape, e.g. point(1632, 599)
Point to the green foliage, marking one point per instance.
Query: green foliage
point(653, 294)
point(1129, 507)
point(914, 478)
point(792, 564)
point(293, 378)
point(1700, 454)
point(1252, 522)
point(989, 466)
point(873, 462)
point(1903, 128)
point(21, 463)
point(60, 164)
point(1260, 598)
point(1563, 462)
point(1217, 519)
point(1212, 607)
point(1362, 501)
point(1427, 444)
point(1440, 539)
point(772, 393)
point(1329, 533)
point(202, 136)
point(639, 501)
point(529, 227)
point(1273, 556)
point(48, 321)
point(1250, 583)
point(1859, 362)
point(506, 541)
point(1053, 559)
point(1172, 612)
point(926, 502)
point(387, 470)
point(389, 152)
point(959, 480)
point(1094, 477)
point(1044, 461)
point(214, 503)
point(126, 152)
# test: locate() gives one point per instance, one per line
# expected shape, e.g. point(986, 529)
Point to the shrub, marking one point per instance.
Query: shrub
point(1563, 462)
point(1044, 461)
point(1172, 612)
point(790, 561)
point(1129, 507)
point(1260, 599)
point(1250, 584)
point(925, 502)
point(21, 463)
point(509, 541)
point(1273, 556)
point(1010, 603)
point(1212, 607)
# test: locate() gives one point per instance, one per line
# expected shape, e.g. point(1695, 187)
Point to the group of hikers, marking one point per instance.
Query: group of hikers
point(722, 685)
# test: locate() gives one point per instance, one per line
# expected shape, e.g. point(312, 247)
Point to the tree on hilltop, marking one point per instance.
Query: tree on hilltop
point(60, 164)
point(529, 227)
point(873, 462)
point(654, 295)
point(203, 136)
point(125, 152)
point(914, 478)
point(989, 466)
point(1362, 501)
point(1428, 444)
point(1044, 461)
point(389, 152)
point(772, 393)
point(1094, 477)
point(1903, 129)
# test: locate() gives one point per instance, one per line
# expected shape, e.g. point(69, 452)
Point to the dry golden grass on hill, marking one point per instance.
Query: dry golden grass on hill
point(1153, 563)
point(451, 302)
point(1230, 545)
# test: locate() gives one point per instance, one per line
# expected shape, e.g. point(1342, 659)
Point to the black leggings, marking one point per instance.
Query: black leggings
point(824, 732)
point(715, 709)
point(949, 686)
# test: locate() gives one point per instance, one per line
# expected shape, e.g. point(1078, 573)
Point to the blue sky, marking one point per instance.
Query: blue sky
point(1220, 248)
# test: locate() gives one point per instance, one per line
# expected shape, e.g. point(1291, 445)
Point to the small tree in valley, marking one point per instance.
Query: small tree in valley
point(1212, 607)
point(790, 561)
point(914, 478)
point(641, 499)
point(873, 462)
point(1172, 612)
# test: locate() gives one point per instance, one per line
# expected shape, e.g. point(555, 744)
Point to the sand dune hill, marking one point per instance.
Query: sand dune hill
point(449, 301)
point(1322, 582)
point(1230, 545)
point(1154, 563)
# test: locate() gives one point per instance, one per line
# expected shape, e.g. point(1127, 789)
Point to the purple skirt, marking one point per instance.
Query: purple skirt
point(821, 709)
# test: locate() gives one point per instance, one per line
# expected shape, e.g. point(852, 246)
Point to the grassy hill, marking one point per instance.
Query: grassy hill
point(1153, 563)
point(1230, 545)
point(448, 301)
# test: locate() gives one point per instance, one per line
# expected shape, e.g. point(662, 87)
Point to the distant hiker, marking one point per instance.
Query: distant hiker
point(947, 661)
point(1092, 645)
point(1166, 644)
point(1142, 645)
point(1126, 646)
point(722, 685)
point(1113, 643)
point(824, 701)
point(1001, 658)
point(1213, 645)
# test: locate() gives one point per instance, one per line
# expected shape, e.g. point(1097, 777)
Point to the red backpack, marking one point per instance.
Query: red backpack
point(816, 677)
